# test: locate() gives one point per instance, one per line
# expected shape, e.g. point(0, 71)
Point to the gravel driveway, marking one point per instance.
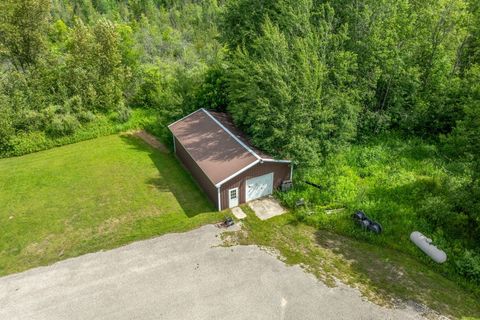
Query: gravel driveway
point(181, 276)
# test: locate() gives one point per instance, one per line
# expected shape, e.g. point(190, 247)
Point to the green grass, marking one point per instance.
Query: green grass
point(385, 276)
point(92, 195)
point(103, 125)
point(405, 185)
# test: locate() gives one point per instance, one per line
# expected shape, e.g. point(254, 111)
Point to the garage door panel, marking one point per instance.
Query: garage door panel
point(258, 187)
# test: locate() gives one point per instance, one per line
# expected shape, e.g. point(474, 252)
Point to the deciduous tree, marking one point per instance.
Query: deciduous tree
point(23, 25)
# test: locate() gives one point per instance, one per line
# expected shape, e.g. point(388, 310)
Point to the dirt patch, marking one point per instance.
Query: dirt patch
point(38, 248)
point(151, 140)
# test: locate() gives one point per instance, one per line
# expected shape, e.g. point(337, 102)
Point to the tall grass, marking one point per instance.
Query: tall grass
point(405, 185)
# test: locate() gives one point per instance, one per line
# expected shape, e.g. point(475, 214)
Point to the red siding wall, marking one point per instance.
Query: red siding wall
point(281, 172)
point(200, 177)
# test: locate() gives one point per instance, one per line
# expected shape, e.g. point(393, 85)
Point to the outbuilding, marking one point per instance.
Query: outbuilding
point(223, 162)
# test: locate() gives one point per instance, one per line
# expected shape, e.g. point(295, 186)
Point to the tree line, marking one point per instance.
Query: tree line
point(329, 72)
point(302, 78)
point(306, 78)
point(65, 64)
point(325, 72)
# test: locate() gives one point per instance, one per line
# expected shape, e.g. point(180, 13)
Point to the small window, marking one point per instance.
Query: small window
point(233, 193)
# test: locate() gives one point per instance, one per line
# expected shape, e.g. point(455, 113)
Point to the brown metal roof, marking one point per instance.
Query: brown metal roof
point(212, 146)
point(226, 120)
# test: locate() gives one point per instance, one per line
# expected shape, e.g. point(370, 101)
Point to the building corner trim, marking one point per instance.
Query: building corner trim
point(219, 200)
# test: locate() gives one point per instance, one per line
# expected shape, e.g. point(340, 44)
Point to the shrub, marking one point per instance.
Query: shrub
point(74, 104)
point(469, 266)
point(6, 131)
point(27, 142)
point(86, 116)
point(30, 120)
point(62, 125)
point(48, 114)
point(124, 114)
point(372, 123)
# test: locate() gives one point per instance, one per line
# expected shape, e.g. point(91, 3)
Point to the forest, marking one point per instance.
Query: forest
point(377, 101)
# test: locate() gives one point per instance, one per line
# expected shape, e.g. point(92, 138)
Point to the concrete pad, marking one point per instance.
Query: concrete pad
point(266, 208)
point(238, 213)
point(182, 276)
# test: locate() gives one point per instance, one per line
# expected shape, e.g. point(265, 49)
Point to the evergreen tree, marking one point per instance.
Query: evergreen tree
point(291, 91)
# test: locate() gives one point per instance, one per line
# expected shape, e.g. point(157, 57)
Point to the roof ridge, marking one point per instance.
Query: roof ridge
point(231, 134)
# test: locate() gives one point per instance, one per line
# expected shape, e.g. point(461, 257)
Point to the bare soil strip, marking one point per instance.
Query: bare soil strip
point(151, 140)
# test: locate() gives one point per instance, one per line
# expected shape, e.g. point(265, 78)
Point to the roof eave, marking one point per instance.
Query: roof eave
point(275, 160)
point(188, 115)
point(245, 168)
point(219, 184)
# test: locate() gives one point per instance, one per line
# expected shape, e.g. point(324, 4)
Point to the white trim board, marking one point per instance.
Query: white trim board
point(241, 142)
point(188, 115)
point(274, 160)
point(232, 135)
point(251, 165)
point(219, 199)
point(259, 159)
point(218, 185)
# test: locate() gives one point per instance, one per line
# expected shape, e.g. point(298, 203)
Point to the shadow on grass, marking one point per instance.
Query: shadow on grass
point(173, 178)
point(392, 274)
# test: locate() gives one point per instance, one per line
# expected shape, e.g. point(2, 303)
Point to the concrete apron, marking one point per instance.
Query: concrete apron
point(266, 208)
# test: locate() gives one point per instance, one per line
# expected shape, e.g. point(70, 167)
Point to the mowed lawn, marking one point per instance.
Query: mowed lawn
point(92, 195)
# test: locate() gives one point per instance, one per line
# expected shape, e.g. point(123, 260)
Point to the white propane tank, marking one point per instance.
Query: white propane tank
point(425, 244)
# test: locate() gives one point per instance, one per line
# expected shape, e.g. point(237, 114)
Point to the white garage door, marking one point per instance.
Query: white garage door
point(259, 186)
